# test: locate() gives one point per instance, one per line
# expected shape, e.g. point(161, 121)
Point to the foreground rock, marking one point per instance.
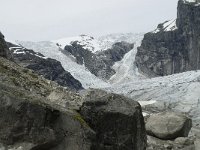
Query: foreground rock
point(117, 121)
point(174, 46)
point(37, 113)
point(177, 144)
point(168, 125)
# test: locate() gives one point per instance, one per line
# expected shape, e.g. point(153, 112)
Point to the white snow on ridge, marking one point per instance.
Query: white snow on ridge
point(87, 42)
point(167, 26)
point(190, 1)
point(79, 72)
point(196, 2)
point(107, 41)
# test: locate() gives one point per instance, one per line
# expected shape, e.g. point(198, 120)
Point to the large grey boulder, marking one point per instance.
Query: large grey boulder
point(168, 125)
point(117, 121)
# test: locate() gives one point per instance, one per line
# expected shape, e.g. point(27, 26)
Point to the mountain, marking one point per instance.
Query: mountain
point(38, 114)
point(86, 58)
point(174, 46)
point(50, 69)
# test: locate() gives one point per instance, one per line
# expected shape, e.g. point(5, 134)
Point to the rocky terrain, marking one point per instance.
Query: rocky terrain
point(174, 46)
point(99, 63)
point(165, 116)
point(50, 69)
point(38, 114)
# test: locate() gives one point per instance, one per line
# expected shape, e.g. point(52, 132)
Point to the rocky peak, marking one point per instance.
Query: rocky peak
point(174, 46)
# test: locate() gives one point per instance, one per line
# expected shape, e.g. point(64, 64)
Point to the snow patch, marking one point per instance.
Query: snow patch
point(167, 26)
point(144, 103)
point(87, 42)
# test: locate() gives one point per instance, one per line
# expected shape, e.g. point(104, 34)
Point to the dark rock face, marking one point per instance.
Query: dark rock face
point(100, 63)
point(36, 114)
point(178, 50)
point(4, 51)
point(117, 121)
point(49, 68)
point(44, 127)
point(39, 113)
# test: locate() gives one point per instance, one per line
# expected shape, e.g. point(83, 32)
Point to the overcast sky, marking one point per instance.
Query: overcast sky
point(52, 19)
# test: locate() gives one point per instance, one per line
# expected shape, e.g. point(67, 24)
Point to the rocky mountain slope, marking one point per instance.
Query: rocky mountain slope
point(50, 69)
point(90, 60)
point(38, 114)
point(174, 46)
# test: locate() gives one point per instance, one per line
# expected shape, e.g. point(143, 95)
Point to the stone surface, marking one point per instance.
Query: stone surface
point(36, 111)
point(158, 144)
point(168, 125)
point(168, 52)
point(197, 144)
point(43, 114)
point(117, 121)
point(50, 69)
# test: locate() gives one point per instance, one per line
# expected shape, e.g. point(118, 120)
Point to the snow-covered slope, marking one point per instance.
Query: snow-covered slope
point(51, 50)
point(180, 92)
point(54, 49)
point(107, 41)
point(126, 70)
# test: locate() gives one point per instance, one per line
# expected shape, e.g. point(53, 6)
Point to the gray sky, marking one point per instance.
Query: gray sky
point(52, 19)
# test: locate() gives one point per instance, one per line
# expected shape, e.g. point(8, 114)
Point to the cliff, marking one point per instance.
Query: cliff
point(174, 46)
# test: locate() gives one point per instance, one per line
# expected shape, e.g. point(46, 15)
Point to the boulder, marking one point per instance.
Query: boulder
point(168, 125)
point(36, 114)
point(117, 121)
point(178, 144)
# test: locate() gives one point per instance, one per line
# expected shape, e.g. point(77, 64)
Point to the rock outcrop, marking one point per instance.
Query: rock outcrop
point(4, 52)
point(37, 113)
point(99, 63)
point(117, 121)
point(174, 46)
point(168, 125)
point(50, 69)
